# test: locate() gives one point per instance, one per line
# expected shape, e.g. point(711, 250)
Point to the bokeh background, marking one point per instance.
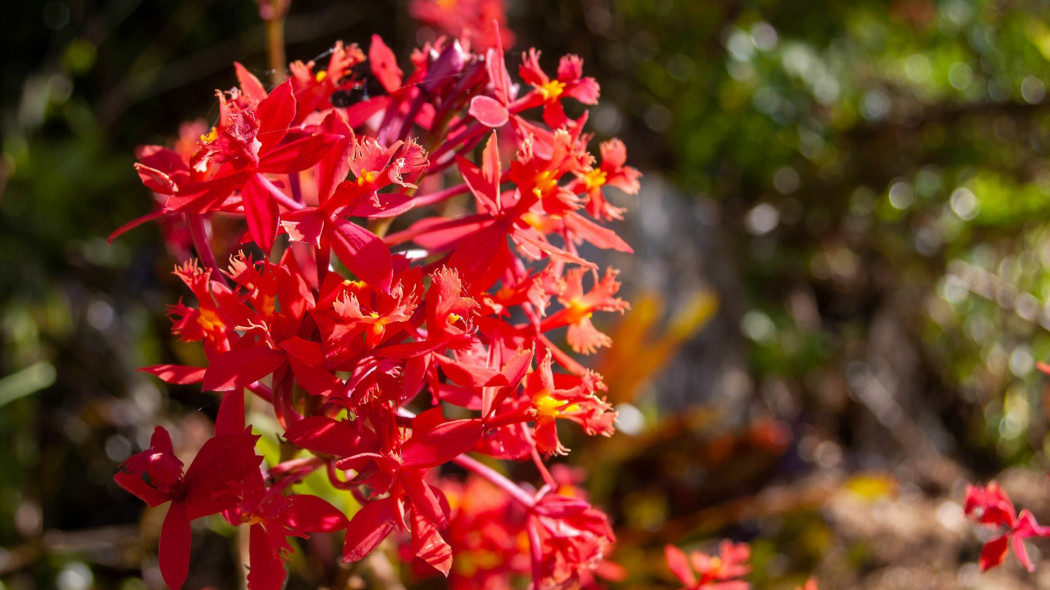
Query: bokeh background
point(840, 289)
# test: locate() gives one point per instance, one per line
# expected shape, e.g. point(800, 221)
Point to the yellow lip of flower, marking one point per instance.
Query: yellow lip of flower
point(533, 220)
point(544, 183)
point(379, 328)
point(210, 321)
point(210, 136)
point(550, 406)
point(551, 90)
point(268, 305)
point(595, 178)
point(366, 177)
point(320, 76)
point(251, 519)
point(577, 309)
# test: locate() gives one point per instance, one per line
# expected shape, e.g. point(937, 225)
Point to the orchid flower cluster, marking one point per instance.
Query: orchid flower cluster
point(401, 265)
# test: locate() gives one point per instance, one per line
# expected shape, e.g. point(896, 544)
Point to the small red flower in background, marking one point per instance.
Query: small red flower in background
point(481, 22)
point(700, 571)
point(991, 506)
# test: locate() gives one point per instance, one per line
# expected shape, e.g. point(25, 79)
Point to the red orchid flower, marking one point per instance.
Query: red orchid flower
point(274, 516)
point(549, 92)
point(579, 306)
point(237, 154)
point(700, 571)
point(991, 506)
point(209, 486)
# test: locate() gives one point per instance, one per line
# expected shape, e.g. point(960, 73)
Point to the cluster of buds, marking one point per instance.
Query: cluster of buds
point(401, 264)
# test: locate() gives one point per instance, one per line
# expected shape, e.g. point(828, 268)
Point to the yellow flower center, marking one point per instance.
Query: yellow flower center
point(366, 177)
point(210, 136)
point(551, 90)
point(268, 306)
point(716, 564)
point(210, 321)
point(595, 178)
point(548, 405)
point(577, 309)
point(533, 219)
point(544, 183)
point(320, 76)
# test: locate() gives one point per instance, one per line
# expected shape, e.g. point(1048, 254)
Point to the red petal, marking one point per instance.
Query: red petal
point(176, 374)
point(586, 90)
point(135, 223)
point(497, 70)
point(994, 552)
point(1020, 552)
point(222, 461)
point(297, 155)
point(161, 158)
point(324, 435)
point(265, 571)
point(307, 360)
point(261, 212)
point(250, 85)
point(155, 180)
point(230, 419)
point(471, 375)
point(304, 225)
point(135, 485)
point(440, 445)
point(424, 500)
point(484, 183)
point(597, 235)
point(333, 168)
point(489, 112)
point(313, 515)
point(429, 545)
point(275, 113)
point(372, 523)
point(363, 253)
point(384, 65)
point(174, 548)
point(235, 369)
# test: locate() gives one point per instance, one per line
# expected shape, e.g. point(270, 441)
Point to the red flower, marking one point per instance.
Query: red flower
point(549, 92)
point(480, 22)
point(700, 571)
point(247, 143)
point(991, 506)
point(574, 536)
point(611, 172)
point(569, 397)
point(578, 307)
point(209, 486)
point(410, 502)
point(272, 517)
